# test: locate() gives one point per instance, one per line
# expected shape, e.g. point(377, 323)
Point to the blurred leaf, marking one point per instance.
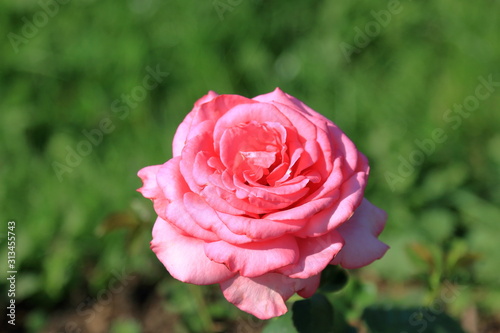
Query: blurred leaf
point(421, 255)
point(282, 324)
point(394, 320)
point(123, 220)
point(490, 297)
point(480, 219)
point(27, 285)
point(460, 258)
point(475, 208)
point(340, 323)
point(57, 268)
point(35, 321)
point(125, 326)
point(442, 180)
point(438, 224)
point(430, 257)
point(314, 314)
point(333, 278)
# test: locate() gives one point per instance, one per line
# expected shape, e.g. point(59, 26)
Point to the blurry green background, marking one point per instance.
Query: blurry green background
point(386, 72)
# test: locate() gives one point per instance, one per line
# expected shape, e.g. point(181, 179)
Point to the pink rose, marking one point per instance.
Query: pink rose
point(260, 196)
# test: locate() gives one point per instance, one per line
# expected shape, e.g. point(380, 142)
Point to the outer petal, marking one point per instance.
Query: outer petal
point(184, 257)
point(360, 234)
point(212, 196)
point(183, 130)
point(198, 141)
point(315, 254)
point(254, 259)
point(351, 196)
point(258, 228)
point(278, 96)
point(220, 105)
point(178, 216)
point(170, 180)
point(265, 296)
point(206, 217)
point(151, 188)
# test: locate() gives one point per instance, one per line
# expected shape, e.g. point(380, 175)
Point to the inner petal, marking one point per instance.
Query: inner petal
point(252, 150)
point(263, 159)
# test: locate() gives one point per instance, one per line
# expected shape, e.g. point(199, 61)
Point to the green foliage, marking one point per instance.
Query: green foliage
point(333, 278)
point(125, 326)
point(282, 324)
point(80, 220)
point(314, 314)
point(429, 320)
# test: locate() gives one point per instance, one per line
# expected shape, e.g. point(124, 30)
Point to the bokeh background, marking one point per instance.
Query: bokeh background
point(406, 80)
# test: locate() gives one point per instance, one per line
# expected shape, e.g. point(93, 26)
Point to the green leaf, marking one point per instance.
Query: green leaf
point(430, 320)
point(333, 278)
point(314, 314)
point(282, 324)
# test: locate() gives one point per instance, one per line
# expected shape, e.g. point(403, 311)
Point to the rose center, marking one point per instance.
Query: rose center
point(252, 150)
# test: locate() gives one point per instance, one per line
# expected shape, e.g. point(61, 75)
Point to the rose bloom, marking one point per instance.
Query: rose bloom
point(260, 196)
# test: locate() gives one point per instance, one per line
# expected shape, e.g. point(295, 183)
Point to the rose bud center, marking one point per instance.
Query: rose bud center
point(254, 150)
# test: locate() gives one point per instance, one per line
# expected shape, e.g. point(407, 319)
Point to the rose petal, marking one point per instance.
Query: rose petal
point(280, 174)
point(265, 296)
point(150, 188)
point(195, 145)
point(184, 128)
point(201, 169)
point(256, 258)
point(209, 108)
point(354, 160)
point(315, 254)
point(212, 196)
point(184, 256)
point(170, 180)
point(247, 113)
point(278, 96)
point(238, 151)
point(323, 197)
point(220, 105)
point(178, 216)
point(326, 131)
point(229, 201)
point(257, 228)
point(294, 112)
point(269, 198)
point(360, 234)
point(310, 154)
point(206, 217)
point(350, 197)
